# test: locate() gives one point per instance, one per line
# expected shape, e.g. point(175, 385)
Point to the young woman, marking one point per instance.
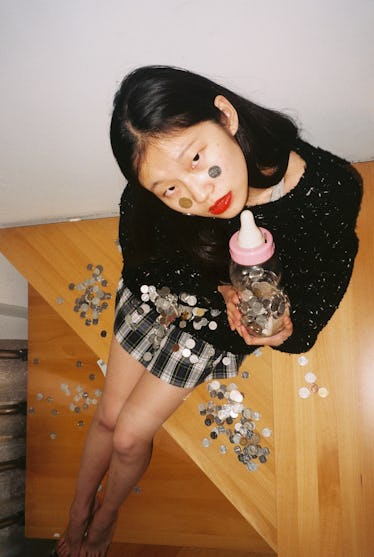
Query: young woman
point(195, 155)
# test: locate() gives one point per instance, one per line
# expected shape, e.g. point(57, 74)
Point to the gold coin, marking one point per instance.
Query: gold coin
point(185, 202)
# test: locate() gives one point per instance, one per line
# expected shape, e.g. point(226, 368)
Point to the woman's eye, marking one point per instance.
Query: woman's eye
point(169, 191)
point(195, 159)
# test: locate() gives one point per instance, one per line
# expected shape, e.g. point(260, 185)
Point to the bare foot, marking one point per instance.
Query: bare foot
point(70, 543)
point(99, 535)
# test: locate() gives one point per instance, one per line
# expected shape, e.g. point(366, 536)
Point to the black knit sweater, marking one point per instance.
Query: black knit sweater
point(313, 227)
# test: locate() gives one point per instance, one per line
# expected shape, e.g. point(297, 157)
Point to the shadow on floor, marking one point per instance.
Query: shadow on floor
point(14, 544)
point(38, 548)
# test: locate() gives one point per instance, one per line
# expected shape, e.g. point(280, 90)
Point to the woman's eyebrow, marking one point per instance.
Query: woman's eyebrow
point(186, 148)
point(155, 184)
point(179, 156)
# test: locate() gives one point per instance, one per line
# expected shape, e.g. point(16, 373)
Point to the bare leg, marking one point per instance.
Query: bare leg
point(151, 402)
point(123, 374)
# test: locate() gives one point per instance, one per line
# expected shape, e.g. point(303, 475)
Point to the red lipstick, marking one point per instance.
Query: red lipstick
point(221, 204)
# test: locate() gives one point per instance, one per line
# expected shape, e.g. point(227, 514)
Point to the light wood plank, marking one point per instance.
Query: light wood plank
point(324, 447)
point(52, 256)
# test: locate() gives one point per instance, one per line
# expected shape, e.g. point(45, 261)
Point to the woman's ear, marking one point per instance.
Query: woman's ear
point(230, 118)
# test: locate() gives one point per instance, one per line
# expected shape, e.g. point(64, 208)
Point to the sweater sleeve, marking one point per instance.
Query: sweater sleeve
point(318, 294)
point(318, 272)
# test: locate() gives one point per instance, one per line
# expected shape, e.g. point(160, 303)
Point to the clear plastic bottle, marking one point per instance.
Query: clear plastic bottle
point(256, 273)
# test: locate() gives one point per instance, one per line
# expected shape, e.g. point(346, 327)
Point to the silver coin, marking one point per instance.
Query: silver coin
point(214, 171)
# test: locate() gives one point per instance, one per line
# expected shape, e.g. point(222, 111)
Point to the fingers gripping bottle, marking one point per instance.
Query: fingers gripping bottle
point(256, 274)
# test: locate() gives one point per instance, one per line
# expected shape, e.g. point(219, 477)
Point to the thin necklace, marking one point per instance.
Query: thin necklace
point(276, 192)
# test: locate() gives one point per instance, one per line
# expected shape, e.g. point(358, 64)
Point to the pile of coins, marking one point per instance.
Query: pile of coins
point(312, 387)
point(263, 306)
point(226, 415)
point(171, 307)
point(93, 299)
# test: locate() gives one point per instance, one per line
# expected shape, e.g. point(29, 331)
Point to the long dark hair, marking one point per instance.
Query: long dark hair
point(153, 101)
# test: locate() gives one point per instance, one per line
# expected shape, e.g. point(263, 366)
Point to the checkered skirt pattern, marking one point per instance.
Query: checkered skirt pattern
point(181, 359)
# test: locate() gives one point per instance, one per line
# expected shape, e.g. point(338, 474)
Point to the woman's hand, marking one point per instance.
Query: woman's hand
point(231, 298)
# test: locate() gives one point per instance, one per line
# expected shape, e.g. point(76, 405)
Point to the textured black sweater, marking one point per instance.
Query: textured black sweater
point(313, 227)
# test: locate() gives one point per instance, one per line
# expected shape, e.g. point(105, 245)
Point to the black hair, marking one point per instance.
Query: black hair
point(153, 101)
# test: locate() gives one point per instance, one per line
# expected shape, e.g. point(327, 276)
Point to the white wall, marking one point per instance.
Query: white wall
point(13, 302)
point(62, 61)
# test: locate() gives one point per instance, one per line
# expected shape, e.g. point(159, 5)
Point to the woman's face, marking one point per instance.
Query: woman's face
point(200, 170)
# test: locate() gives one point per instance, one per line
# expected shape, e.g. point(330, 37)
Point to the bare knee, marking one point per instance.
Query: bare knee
point(129, 446)
point(106, 417)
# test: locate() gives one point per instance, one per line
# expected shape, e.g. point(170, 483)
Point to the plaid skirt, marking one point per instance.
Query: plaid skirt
point(169, 353)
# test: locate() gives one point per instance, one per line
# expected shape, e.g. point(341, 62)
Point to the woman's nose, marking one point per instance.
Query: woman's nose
point(200, 190)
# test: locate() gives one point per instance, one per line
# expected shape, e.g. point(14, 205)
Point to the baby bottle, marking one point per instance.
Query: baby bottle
point(256, 273)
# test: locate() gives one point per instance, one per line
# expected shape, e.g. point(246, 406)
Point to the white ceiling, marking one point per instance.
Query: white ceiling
point(62, 61)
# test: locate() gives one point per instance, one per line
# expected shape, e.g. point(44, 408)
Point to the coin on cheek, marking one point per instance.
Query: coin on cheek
point(185, 202)
point(214, 171)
